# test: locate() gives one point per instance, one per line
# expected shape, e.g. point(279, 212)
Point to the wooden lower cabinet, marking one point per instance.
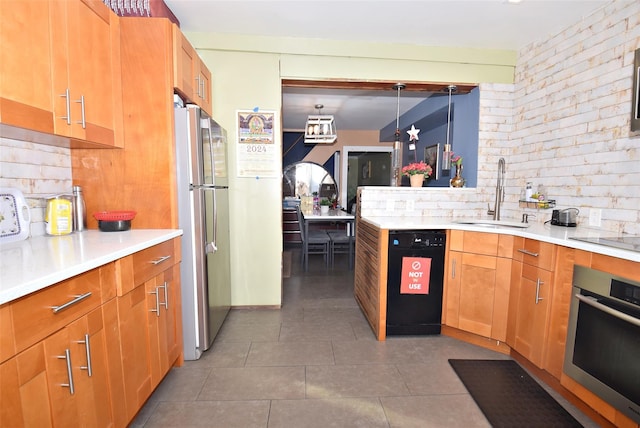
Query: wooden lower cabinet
point(560, 305)
point(134, 350)
point(164, 336)
point(114, 349)
point(532, 291)
point(149, 319)
point(477, 279)
point(83, 342)
point(370, 282)
point(532, 297)
point(24, 390)
point(36, 384)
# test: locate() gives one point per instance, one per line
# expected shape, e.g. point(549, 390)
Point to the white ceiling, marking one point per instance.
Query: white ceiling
point(493, 24)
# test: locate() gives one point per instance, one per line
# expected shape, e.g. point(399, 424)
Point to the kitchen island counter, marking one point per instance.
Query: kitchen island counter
point(36, 263)
point(558, 235)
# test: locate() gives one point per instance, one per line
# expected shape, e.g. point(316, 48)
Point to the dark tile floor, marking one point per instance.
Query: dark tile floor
point(316, 363)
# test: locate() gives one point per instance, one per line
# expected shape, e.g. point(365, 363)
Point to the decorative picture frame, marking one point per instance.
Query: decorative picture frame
point(432, 158)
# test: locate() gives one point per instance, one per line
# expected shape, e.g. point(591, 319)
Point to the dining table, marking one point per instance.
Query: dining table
point(331, 216)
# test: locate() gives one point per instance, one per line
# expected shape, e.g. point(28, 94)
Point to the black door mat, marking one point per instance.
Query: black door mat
point(509, 397)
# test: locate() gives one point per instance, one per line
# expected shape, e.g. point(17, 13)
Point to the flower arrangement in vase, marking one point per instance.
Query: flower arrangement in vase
point(417, 172)
point(457, 180)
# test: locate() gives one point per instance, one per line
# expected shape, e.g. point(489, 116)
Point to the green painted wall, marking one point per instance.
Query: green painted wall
point(247, 73)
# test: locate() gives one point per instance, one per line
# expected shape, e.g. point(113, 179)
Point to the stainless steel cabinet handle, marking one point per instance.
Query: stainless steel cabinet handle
point(77, 298)
point(453, 268)
point(68, 103)
point(529, 253)
point(198, 85)
point(538, 284)
point(67, 356)
point(160, 260)
point(87, 349)
point(83, 121)
point(157, 308)
point(202, 91)
point(166, 295)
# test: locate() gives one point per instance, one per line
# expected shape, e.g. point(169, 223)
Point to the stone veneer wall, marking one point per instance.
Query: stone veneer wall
point(36, 170)
point(572, 109)
point(564, 124)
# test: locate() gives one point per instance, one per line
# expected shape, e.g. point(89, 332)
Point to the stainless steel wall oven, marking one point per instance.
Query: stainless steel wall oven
point(603, 340)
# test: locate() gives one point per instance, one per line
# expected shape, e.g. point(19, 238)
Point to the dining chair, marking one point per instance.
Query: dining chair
point(339, 244)
point(317, 242)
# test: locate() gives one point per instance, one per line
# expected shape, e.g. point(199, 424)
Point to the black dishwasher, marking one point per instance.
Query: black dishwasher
point(415, 281)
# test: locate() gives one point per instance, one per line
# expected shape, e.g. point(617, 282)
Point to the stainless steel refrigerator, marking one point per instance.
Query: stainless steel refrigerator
point(203, 198)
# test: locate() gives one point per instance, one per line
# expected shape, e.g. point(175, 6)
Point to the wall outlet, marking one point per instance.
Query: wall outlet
point(410, 205)
point(390, 204)
point(595, 217)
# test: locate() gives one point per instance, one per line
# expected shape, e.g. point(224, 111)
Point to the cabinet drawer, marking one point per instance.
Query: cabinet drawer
point(481, 243)
point(535, 253)
point(291, 237)
point(152, 261)
point(38, 315)
point(290, 215)
point(291, 226)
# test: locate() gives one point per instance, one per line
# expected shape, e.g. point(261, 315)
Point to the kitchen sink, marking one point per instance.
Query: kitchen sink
point(494, 223)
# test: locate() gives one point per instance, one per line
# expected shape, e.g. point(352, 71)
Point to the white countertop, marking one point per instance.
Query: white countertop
point(558, 235)
point(35, 263)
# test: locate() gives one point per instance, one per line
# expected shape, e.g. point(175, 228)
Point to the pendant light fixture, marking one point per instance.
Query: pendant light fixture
point(320, 129)
point(396, 157)
point(446, 154)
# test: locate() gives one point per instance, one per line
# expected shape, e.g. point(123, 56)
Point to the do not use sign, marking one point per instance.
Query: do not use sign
point(415, 275)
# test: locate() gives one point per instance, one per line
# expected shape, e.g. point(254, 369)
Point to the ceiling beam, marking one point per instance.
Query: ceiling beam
point(462, 88)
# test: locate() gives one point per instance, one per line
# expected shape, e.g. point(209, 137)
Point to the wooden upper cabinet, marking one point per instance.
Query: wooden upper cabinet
point(60, 71)
point(85, 70)
point(203, 80)
point(191, 77)
point(184, 64)
point(26, 98)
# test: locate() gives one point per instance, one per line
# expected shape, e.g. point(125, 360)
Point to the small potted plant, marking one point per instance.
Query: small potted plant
point(417, 172)
point(324, 205)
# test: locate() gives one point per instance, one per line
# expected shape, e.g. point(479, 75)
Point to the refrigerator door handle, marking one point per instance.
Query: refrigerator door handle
point(213, 245)
point(214, 242)
point(206, 186)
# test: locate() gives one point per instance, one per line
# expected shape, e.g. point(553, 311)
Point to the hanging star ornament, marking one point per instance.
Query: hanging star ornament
point(413, 133)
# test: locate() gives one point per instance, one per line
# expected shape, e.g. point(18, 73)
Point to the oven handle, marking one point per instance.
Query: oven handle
point(604, 308)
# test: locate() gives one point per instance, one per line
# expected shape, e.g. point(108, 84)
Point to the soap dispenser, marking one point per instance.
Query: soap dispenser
point(528, 191)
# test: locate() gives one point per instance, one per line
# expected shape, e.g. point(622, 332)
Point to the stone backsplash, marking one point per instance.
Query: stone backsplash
point(38, 171)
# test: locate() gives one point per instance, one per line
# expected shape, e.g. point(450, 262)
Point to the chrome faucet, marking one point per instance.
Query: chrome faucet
point(499, 191)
